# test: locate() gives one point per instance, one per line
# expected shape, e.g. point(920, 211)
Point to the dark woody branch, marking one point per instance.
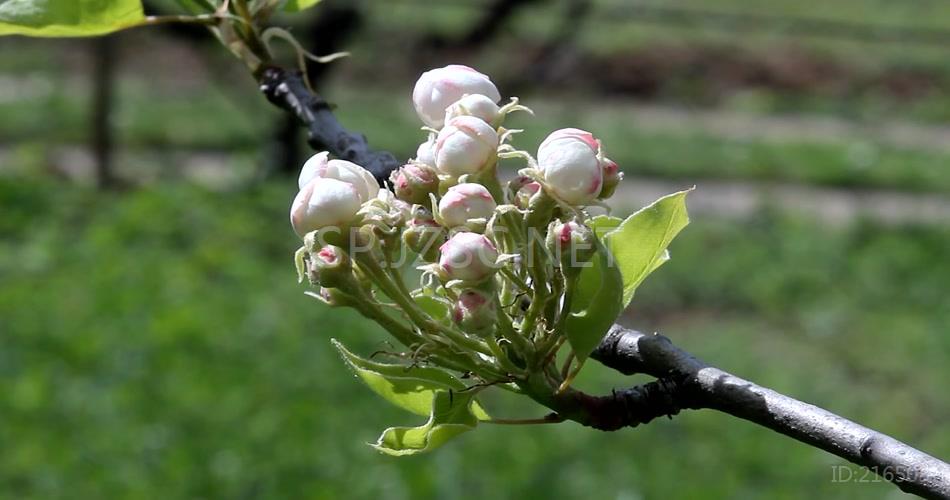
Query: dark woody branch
point(683, 381)
point(287, 90)
point(694, 384)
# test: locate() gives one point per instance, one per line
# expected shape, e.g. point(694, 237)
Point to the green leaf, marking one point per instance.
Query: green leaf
point(639, 244)
point(299, 5)
point(60, 18)
point(451, 415)
point(412, 388)
point(595, 304)
point(604, 224)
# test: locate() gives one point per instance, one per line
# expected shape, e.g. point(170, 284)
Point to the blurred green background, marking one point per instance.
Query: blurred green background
point(154, 342)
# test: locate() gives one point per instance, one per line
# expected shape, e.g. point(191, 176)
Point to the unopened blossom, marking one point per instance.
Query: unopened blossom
point(323, 203)
point(468, 257)
point(425, 153)
point(525, 193)
point(466, 145)
point(612, 178)
point(570, 161)
point(476, 105)
point(414, 182)
point(572, 244)
point(320, 166)
point(464, 202)
point(424, 235)
point(330, 266)
point(474, 311)
point(439, 88)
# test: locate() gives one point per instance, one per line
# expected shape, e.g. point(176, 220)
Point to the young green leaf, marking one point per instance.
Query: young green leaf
point(639, 245)
point(62, 18)
point(451, 415)
point(299, 5)
point(412, 388)
point(604, 224)
point(595, 304)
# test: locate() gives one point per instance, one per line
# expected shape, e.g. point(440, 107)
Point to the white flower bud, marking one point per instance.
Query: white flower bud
point(439, 88)
point(324, 203)
point(464, 202)
point(465, 146)
point(468, 256)
point(569, 160)
point(475, 105)
point(319, 166)
point(425, 153)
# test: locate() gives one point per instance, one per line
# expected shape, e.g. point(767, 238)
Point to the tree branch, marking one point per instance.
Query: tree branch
point(698, 385)
point(683, 381)
point(287, 90)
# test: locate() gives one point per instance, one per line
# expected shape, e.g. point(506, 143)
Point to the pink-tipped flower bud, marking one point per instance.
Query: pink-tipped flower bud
point(572, 244)
point(330, 267)
point(439, 88)
point(464, 202)
point(425, 153)
point(520, 190)
point(424, 235)
point(414, 182)
point(524, 195)
point(320, 166)
point(468, 257)
point(465, 146)
point(569, 160)
point(612, 178)
point(475, 312)
point(476, 105)
point(324, 203)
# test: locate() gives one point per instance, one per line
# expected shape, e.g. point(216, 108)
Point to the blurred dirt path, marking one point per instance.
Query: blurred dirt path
point(784, 128)
point(735, 199)
point(832, 206)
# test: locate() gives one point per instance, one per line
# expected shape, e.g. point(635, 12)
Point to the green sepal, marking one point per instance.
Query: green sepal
point(434, 307)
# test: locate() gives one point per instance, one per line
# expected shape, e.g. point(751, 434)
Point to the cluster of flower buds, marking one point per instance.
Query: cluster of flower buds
point(446, 210)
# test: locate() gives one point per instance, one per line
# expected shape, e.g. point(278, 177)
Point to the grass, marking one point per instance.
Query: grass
point(156, 341)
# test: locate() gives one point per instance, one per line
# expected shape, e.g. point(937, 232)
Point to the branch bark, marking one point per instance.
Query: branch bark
point(287, 90)
point(694, 384)
point(683, 381)
point(103, 102)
